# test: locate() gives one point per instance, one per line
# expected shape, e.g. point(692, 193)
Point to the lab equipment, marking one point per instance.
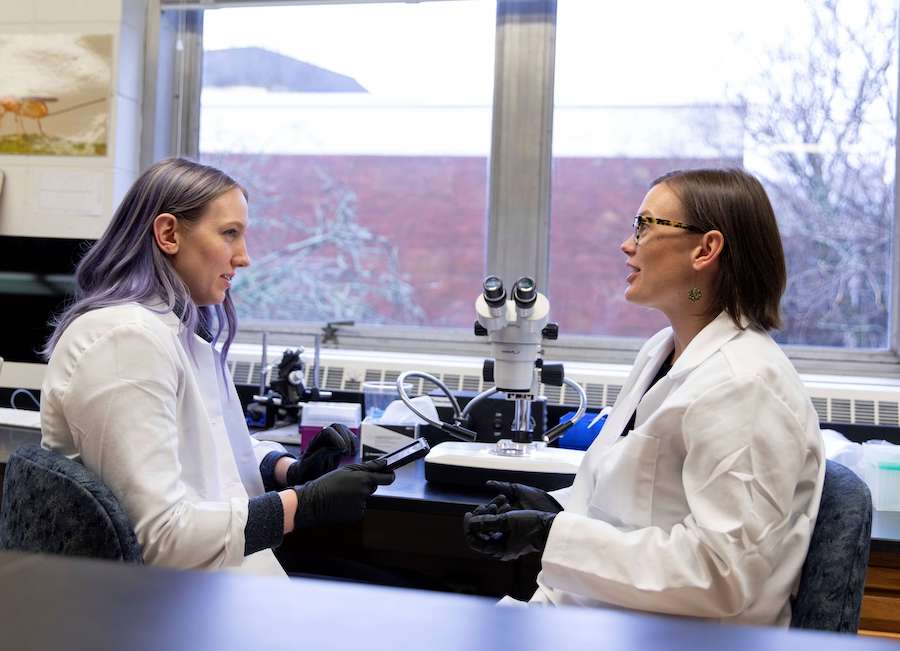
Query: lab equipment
point(491, 418)
point(582, 434)
point(395, 427)
point(316, 415)
point(282, 388)
point(881, 467)
point(407, 454)
point(515, 327)
point(377, 396)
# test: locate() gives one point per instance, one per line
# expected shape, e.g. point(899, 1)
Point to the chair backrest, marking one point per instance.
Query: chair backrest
point(830, 593)
point(54, 505)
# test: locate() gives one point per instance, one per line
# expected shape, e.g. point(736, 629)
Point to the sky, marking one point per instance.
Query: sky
point(608, 52)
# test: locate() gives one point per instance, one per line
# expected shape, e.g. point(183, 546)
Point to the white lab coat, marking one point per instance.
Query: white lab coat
point(163, 430)
point(706, 508)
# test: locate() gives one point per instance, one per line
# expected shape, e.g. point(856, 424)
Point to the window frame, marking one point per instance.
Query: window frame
point(518, 216)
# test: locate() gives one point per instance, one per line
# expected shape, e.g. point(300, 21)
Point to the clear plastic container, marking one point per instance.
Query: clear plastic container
point(882, 474)
point(378, 395)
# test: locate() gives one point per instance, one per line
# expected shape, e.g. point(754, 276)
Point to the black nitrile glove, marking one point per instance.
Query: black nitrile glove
point(525, 497)
point(506, 535)
point(339, 497)
point(323, 454)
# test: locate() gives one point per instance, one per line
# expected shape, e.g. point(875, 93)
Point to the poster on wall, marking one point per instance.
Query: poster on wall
point(54, 94)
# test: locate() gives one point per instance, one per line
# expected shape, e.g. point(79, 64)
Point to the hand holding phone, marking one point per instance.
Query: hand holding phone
point(407, 454)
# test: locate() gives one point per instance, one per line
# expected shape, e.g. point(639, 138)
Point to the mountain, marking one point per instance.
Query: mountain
point(254, 66)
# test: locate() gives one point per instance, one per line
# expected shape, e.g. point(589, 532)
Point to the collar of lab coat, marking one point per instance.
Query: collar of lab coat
point(170, 319)
point(165, 313)
point(708, 341)
point(168, 316)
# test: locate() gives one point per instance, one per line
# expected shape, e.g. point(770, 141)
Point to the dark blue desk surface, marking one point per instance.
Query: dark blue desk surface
point(410, 492)
point(64, 603)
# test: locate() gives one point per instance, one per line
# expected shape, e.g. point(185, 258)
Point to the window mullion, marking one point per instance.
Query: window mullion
point(188, 85)
point(894, 310)
point(519, 194)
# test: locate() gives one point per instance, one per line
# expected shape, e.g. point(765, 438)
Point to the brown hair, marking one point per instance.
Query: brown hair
point(752, 274)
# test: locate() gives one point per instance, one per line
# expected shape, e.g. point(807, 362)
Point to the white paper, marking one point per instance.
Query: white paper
point(397, 413)
point(75, 193)
point(288, 434)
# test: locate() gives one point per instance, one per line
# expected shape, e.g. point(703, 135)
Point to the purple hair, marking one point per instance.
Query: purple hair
point(126, 266)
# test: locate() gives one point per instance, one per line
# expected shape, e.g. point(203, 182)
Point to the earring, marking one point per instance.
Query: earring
point(694, 294)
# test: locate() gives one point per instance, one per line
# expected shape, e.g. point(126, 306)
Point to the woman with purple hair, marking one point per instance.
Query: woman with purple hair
point(137, 390)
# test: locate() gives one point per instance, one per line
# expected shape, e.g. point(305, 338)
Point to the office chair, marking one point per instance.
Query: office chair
point(54, 505)
point(830, 593)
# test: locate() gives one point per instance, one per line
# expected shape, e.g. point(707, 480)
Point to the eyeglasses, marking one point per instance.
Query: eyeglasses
point(641, 221)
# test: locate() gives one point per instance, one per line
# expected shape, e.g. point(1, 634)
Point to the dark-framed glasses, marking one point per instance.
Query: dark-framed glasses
point(641, 222)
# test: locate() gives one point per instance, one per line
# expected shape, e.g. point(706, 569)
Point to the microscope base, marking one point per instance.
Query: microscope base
point(472, 464)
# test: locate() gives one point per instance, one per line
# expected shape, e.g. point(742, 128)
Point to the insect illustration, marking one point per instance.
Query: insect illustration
point(26, 107)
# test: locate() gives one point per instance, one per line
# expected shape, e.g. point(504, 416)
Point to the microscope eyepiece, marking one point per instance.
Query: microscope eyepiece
point(525, 292)
point(494, 294)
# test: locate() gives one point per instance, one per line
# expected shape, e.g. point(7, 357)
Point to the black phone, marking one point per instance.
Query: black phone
point(407, 454)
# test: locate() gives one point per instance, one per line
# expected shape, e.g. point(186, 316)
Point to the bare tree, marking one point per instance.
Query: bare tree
point(326, 266)
point(822, 115)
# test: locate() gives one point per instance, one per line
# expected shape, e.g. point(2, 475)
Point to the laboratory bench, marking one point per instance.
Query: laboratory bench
point(412, 537)
point(74, 603)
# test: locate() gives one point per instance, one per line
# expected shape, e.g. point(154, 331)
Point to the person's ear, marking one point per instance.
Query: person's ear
point(711, 246)
point(165, 232)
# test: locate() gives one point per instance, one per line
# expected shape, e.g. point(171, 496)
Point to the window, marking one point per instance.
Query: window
point(362, 134)
point(801, 94)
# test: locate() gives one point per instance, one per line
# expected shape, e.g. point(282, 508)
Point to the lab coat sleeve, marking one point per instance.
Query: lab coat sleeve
point(562, 495)
point(121, 404)
point(744, 454)
point(263, 448)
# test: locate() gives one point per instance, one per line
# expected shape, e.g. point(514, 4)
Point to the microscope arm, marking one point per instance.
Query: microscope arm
point(453, 429)
point(474, 401)
point(558, 430)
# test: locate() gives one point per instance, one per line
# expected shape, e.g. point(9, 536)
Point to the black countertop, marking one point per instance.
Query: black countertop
point(410, 492)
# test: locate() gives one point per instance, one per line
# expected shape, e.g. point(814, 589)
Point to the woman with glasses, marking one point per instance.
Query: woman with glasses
point(700, 494)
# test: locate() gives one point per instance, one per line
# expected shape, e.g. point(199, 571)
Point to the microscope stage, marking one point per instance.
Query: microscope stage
point(472, 464)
